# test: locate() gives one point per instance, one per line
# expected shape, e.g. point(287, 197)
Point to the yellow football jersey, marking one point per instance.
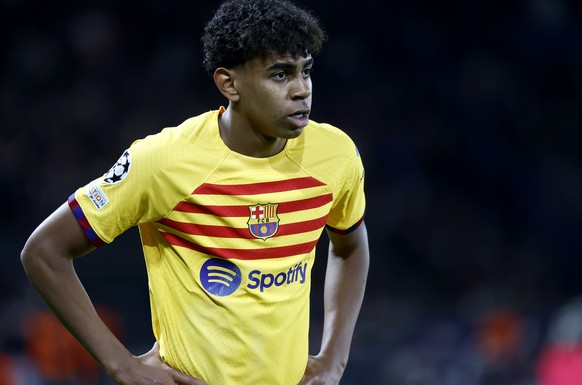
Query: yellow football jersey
point(229, 241)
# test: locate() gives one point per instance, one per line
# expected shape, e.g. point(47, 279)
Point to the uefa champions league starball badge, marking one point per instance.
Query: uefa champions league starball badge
point(119, 170)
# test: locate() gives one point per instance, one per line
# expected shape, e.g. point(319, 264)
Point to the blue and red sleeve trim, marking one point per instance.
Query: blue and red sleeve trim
point(84, 223)
point(346, 231)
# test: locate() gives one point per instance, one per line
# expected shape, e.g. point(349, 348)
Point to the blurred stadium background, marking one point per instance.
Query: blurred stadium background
point(469, 118)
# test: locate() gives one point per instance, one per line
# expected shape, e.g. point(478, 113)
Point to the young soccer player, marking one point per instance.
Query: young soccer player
point(230, 205)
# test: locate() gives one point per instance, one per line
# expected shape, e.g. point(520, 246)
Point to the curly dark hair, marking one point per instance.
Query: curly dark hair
point(242, 30)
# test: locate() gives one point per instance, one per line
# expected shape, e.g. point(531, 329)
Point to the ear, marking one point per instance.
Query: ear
point(225, 81)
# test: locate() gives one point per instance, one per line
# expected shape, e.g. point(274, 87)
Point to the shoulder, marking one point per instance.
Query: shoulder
point(195, 136)
point(326, 153)
point(326, 134)
point(186, 133)
point(193, 147)
point(323, 141)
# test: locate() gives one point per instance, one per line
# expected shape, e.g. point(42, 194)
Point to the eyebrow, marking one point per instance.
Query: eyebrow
point(287, 65)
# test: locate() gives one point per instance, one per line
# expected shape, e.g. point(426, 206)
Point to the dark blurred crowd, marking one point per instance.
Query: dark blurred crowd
point(469, 118)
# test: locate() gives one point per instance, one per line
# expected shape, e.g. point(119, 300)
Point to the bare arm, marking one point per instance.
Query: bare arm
point(48, 259)
point(347, 270)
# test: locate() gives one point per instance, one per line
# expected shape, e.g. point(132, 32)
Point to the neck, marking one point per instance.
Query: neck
point(239, 135)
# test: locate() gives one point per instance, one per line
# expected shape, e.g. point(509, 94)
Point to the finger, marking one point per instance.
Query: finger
point(184, 379)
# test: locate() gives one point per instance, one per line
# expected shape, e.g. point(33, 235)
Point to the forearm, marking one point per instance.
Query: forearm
point(345, 284)
point(48, 260)
point(58, 284)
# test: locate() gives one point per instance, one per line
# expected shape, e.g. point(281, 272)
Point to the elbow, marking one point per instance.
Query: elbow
point(51, 248)
point(26, 256)
point(29, 256)
point(36, 258)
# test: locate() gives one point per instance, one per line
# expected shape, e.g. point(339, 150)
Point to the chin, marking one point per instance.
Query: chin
point(294, 133)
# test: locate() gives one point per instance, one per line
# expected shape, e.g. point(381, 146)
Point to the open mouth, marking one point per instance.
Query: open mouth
point(299, 118)
point(302, 115)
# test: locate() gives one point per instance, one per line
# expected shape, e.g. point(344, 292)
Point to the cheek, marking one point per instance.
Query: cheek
point(266, 100)
point(270, 101)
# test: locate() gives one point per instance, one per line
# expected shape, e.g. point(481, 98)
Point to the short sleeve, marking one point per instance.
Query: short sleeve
point(349, 205)
point(127, 195)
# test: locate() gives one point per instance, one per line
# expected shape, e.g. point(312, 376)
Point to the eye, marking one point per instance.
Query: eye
point(279, 75)
point(307, 72)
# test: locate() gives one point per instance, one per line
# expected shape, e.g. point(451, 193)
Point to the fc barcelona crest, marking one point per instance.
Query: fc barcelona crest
point(263, 220)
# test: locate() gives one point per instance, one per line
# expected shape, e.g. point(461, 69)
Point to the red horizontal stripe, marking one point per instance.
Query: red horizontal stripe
point(258, 188)
point(219, 211)
point(262, 253)
point(242, 233)
point(243, 211)
point(304, 204)
point(301, 227)
point(207, 230)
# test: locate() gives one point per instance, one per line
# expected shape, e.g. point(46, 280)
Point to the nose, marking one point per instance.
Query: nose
point(301, 88)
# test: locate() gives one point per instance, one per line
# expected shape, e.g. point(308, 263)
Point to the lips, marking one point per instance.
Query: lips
point(303, 114)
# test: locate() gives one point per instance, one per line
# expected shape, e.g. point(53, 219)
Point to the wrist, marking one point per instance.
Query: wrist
point(332, 362)
point(116, 366)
